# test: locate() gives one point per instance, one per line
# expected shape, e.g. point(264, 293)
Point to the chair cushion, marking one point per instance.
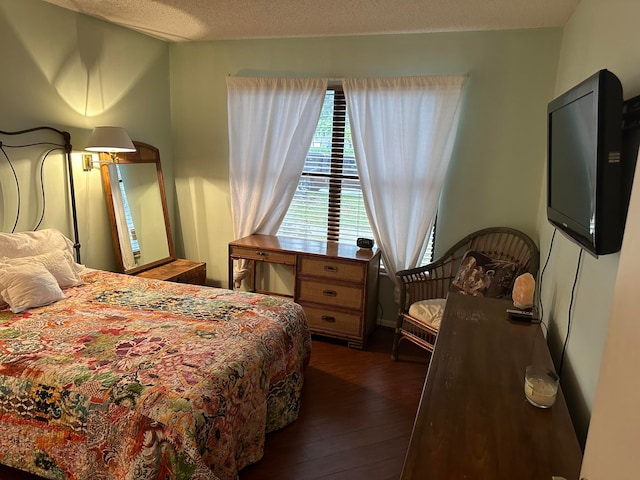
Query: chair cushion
point(428, 311)
point(483, 276)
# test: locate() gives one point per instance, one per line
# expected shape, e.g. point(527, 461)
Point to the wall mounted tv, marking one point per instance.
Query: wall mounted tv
point(584, 169)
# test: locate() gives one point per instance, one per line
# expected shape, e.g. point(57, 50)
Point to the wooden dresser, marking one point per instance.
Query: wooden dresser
point(336, 284)
point(473, 420)
point(179, 270)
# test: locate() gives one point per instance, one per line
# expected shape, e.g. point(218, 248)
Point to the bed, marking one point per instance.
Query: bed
point(109, 376)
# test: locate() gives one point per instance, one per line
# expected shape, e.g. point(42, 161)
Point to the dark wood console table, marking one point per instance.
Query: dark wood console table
point(474, 420)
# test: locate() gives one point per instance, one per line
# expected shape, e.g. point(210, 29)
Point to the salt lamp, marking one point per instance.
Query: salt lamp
point(523, 290)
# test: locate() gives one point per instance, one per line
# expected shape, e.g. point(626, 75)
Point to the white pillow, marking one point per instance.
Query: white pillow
point(428, 311)
point(28, 286)
point(25, 244)
point(59, 263)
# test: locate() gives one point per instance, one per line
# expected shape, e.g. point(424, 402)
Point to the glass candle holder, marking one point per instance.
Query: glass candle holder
point(540, 386)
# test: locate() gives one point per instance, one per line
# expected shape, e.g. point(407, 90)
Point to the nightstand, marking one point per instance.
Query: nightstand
point(179, 270)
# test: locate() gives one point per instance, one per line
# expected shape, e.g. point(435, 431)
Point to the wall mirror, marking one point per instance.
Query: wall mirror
point(137, 207)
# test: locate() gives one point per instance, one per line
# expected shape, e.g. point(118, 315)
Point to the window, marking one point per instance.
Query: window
point(133, 238)
point(328, 202)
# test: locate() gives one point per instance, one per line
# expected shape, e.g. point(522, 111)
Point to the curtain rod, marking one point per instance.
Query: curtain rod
point(339, 79)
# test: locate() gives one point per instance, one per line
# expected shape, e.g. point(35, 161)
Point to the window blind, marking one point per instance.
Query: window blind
point(328, 202)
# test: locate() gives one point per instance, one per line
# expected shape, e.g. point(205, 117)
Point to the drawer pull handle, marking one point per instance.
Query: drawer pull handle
point(329, 293)
point(328, 318)
point(332, 269)
point(262, 254)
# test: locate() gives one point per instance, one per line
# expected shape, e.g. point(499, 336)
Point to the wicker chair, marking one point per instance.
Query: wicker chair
point(434, 280)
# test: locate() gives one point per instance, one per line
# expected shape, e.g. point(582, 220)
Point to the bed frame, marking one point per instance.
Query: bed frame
point(174, 380)
point(51, 140)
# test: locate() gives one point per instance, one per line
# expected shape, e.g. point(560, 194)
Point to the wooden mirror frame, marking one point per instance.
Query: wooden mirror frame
point(144, 153)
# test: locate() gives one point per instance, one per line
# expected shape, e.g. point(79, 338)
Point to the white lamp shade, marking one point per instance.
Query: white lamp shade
point(110, 139)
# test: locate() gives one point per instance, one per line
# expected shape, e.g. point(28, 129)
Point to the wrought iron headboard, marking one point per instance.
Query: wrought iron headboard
point(51, 146)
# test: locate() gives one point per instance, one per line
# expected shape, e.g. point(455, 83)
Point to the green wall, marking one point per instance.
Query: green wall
point(600, 34)
point(74, 72)
point(498, 160)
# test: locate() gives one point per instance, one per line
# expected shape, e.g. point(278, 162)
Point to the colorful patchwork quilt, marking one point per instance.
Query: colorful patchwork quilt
point(128, 378)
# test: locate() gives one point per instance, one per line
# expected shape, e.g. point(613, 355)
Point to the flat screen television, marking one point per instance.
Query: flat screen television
point(584, 164)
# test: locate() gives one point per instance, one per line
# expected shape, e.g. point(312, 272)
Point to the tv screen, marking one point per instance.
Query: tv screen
point(584, 191)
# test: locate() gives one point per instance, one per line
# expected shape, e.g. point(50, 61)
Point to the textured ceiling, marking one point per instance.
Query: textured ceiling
point(187, 20)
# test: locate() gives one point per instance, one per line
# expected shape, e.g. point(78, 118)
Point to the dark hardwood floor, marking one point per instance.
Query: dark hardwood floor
point(356, 416)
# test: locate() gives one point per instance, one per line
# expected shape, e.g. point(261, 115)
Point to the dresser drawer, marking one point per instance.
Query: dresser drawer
point(262, 255)
point(335, 269)
point(330, 294)
point(331, 320)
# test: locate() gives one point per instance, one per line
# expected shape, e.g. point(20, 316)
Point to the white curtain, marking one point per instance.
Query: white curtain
point(271, 125)
point(128, 260)
point(403, 134)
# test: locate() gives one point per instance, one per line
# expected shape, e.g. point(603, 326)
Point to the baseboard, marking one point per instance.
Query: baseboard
point(386, 323)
